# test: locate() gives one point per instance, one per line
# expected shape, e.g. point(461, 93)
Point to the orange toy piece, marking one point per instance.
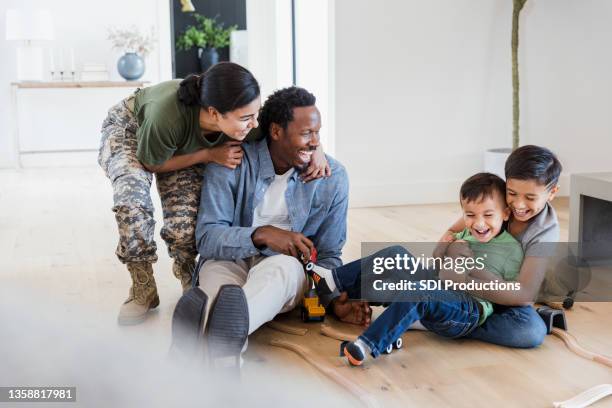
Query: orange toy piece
point(312, 310)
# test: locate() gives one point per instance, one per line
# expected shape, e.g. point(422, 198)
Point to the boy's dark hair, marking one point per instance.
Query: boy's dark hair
point(534, 163)
point(482, 185)
point(278, 108)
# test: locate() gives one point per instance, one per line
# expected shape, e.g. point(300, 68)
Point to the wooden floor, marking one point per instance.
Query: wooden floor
point(58, 235)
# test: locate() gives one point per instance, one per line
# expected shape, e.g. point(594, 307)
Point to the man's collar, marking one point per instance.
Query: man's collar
point(265, 160)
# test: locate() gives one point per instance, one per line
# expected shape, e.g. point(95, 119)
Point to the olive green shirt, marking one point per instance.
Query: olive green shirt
point(167, 127)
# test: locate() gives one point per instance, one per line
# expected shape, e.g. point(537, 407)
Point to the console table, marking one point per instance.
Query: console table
point(58, 123)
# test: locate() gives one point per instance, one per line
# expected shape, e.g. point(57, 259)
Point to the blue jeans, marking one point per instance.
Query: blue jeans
point(444, 312)
point(516, 326)
point(348, 277)
point(519, 326)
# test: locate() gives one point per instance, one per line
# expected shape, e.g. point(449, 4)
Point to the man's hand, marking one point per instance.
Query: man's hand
point(352, 312)
point(229, 154)
point(281, 241)
point(318, 166)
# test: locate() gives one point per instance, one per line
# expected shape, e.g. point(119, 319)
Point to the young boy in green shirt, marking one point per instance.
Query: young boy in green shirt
point(451, 313)
point(532, 177)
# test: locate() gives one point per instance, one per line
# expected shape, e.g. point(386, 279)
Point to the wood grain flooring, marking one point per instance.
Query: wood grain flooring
point(58, 235)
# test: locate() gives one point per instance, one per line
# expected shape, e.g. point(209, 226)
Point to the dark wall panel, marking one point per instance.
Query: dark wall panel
point(229, 12)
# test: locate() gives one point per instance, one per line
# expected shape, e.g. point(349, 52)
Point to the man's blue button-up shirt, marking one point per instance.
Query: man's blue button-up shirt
point(317, 209)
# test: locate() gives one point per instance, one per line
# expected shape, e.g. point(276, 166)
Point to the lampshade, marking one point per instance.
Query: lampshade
point(29, 25)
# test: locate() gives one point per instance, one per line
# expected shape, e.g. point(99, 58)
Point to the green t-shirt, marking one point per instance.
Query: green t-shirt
point(167, 127)
point(503, 255)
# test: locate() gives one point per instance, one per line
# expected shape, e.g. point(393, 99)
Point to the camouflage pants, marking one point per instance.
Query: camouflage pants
point(179, 192)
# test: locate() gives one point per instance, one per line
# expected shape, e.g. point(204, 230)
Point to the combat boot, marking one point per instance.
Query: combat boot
point(143, 294)
point(184, 272)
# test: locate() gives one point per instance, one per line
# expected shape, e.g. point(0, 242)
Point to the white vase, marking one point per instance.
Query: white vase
point(495, 161)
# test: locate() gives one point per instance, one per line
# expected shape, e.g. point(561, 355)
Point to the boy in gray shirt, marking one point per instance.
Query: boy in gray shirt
point(532, 177)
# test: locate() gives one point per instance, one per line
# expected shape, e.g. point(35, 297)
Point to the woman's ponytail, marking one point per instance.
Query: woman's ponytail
point(189, 90)
point(224, 86)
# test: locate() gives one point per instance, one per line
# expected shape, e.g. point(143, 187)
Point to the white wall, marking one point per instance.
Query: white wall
point(270, 51)
point(568, 81)
point(422, 88)
point(315, 59)
point(269, 43)
point(82, 26)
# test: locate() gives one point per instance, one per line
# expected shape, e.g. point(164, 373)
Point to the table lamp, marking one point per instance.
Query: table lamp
point(29, 28)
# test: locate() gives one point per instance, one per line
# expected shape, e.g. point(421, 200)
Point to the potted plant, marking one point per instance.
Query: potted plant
point(495, 159)
point(208, 36)
point(135, 46)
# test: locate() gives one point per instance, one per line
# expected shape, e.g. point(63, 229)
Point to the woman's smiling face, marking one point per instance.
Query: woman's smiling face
point(237, 123)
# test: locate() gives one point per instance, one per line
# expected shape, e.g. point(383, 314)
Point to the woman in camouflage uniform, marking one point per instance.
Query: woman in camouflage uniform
point(172, 130)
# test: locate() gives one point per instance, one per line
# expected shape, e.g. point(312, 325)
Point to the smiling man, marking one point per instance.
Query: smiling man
point(256, 220)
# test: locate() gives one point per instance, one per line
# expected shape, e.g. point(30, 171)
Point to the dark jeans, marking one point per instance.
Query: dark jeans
point(444, 312)
point(517, 326)
point(348, 277)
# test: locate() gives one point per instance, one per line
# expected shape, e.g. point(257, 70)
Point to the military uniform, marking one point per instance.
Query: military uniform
point(150, 127)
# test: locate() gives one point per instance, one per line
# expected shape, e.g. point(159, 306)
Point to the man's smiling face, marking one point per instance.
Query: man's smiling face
point(297, 143)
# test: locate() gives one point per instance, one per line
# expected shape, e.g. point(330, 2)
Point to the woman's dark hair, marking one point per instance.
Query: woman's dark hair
point(278, 108)
point(482, 185)
point(224, 86)
point(534, 163)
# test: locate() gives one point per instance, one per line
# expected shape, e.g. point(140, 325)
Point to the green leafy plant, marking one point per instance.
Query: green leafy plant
point(207, 33)
point(516, 12)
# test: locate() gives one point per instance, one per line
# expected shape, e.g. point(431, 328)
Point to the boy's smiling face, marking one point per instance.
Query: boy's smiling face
point(485, 216)
point(526, 198)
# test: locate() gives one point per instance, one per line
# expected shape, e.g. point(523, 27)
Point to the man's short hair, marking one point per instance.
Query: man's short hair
point(482, 185)
point(534, 163)
point(278, 108)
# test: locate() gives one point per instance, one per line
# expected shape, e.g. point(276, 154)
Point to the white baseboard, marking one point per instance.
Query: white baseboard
point(59, 159)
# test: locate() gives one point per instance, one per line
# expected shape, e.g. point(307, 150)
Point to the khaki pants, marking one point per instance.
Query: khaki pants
point(272, 285)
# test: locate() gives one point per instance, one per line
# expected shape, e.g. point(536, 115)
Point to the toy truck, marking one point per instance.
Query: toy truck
point(311, 310)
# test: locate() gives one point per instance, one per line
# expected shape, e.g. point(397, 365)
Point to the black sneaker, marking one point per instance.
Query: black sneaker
point(228, 325)
point(187, 321)
point(326, 295)
point(319, 281)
